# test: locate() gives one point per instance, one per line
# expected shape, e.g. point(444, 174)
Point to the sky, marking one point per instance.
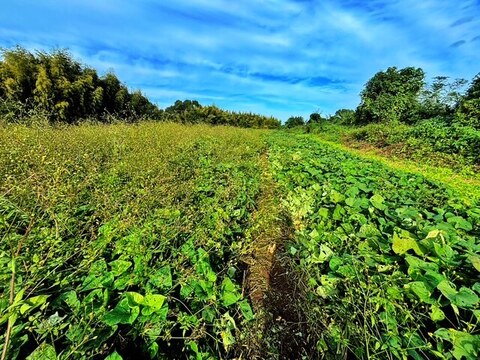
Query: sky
point(273, 57)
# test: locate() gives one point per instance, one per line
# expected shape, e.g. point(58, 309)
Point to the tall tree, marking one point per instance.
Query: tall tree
point(468, 112)
point(294, 121)
point(391, 95)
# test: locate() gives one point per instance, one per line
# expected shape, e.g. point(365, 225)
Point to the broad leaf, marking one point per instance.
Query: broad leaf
point(114, 356)
point(465, 298)
point(377, 201)
point(421, 290)
point(152, 303)
point(43, 352)
point(402, 245)
point(246, 310)
point(121, 314)
point(119, 267)
point(230, 294)
point(436, 314)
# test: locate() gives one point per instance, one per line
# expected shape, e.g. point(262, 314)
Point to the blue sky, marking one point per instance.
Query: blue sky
point(280, 58)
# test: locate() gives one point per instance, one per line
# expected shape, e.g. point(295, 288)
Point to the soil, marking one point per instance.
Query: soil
point(280, 330)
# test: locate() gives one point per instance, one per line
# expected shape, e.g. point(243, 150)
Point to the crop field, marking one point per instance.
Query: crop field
point(144, 241)
point(389, 260)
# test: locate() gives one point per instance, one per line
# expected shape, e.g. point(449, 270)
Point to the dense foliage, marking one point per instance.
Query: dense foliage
point(130, 241)
point(403, 116)
point(125, 238)
point(191, 112)
point(456, 145)
point(294, 121)
point(388, 260)
point(55, 88)
point(391, 95)
point(59, 88)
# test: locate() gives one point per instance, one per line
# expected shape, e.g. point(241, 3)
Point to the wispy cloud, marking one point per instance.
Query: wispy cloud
point(462, 21)
point(275, 57)
point(457, 44)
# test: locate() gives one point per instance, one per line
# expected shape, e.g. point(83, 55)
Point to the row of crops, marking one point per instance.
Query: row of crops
point(124, 242)
point(389, 262)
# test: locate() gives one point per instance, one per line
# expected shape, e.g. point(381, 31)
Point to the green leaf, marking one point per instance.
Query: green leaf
point(460, 223)
point(246, 310)
point(162, 279)
point(416, 264)
point(32, 303)
point(292, 250)
point(442, 334)
point(43, 352)
point(163, 312)
point(323, 212)
point(338, 212)
point(350, 202)
point(475, 260)
point(352, 191)
point(335, 262)
point(433, 234)
point(193, 347)
point(71, 299)
point(348, 271)
point(436, 314)
point(92, 281)
point(444, 252)
point(152, 303)
point(227, 338)
point(402, 245)
point(368, 231)
point(465, 345)
point(187, 288)
point(119, 267)
point(336, 197)
point(229, 292)
point(153, 350)
point(121, 314)
point(465, 298)
point(325, 253)
point(377, 202)
point(477, 314)
point(421, 290)
point(209, 314)
point(204, 268)
point(134, 298)
point(114, 356)
point(447, 290)
point(476, 287)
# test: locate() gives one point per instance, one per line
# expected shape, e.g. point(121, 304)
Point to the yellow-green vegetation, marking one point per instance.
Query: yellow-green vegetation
point(53, 87)
point(139, 241)
point(388, 261)
point(124, 238)
point(466, 183)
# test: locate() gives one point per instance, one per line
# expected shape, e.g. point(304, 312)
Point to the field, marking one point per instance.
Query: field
point(169, 241)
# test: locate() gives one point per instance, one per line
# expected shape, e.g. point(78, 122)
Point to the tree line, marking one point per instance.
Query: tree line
point(60, 89)
point(398, 96)
point(55, 87)
point(191, 112)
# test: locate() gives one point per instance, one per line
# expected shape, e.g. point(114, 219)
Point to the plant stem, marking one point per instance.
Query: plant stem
point(12, 289)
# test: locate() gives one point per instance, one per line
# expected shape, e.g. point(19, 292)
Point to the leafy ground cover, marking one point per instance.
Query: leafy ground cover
point(388, 260)
point(403, 155)
point(125, 240)
point(171, 241)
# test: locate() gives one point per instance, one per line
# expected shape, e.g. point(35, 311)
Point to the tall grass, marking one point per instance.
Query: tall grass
point(96, 217)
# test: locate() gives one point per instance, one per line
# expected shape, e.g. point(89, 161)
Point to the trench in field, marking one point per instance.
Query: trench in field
point(280, 330)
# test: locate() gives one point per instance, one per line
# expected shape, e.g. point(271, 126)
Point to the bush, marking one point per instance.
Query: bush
point(434, 135)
